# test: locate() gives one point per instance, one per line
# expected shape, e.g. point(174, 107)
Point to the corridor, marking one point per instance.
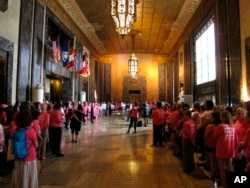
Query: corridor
point(106, 157)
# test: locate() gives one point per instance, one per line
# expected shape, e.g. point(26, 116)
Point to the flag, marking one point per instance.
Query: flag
point(65, 55)
point(56, 51)
point(72, 56)
point(85, 66)
point(79, 61)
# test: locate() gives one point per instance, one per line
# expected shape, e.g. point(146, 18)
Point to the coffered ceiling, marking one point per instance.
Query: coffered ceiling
point(159, 24)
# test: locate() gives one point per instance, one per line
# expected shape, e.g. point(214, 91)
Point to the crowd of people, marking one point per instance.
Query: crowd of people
point(220, 134)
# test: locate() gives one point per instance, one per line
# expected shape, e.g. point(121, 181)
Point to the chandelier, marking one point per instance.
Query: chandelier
point(133, 65)
point(133, 61)
point(123, 14)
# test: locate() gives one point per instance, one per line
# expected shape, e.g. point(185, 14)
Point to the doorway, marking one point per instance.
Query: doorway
point(134, 96)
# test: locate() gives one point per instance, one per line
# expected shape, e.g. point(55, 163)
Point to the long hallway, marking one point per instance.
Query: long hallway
point(106, 157)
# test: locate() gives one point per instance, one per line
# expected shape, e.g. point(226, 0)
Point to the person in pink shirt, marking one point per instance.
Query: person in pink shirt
point(134, 115)
point(188, 133)
point(245, 145)
point(44, 125)
point(55, 129)
point(241, 125)
point(226, 146)
point(25, 170)
point(210, 143)
point(35, 124)
point(175, 119)
point(158, 119)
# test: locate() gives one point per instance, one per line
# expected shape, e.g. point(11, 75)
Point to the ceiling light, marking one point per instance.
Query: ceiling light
point(123, 14)
point(133, 61)
point(133, 65)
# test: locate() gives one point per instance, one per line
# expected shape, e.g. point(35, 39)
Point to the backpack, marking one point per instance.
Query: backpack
point(19, 143)
point(139, 123)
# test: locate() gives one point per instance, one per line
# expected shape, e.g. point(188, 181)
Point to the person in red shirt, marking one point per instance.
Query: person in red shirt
point(158, 121)
point(226, 145)
point(55, 129)
point(134, 115)
point(44, 125)
point(174, 120)
point(241, 125)
point(25, 170)
point(210, 143)
point(188, 133)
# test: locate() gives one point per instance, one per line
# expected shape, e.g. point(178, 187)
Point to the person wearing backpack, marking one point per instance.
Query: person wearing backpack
point(25, 169)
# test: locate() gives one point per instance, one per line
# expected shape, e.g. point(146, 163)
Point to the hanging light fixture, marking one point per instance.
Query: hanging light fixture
point(133, 61)
point(123, 14)
point(133, 65)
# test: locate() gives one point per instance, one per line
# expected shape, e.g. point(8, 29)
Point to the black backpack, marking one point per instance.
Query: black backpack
point(139, 123)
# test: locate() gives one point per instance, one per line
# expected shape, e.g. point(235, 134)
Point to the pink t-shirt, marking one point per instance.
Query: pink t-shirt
point(35, 125)
point(134, 112)
point(226, 141)
point(43, 120)
point(175, 120)
point(247, 144)
point(158, 116)
point(56, 118)
point(31, 138)
point(188, 129)
point(210, 140)
point(241, 127)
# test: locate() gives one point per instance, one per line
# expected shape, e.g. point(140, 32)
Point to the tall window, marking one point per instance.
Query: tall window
point(205, 54)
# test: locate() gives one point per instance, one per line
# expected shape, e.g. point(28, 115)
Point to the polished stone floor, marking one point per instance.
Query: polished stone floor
point(106, 157)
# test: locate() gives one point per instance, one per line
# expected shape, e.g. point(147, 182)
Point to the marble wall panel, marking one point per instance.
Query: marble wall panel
point(8, 46)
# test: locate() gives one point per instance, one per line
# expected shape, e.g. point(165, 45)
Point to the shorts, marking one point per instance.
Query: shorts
point(45, 134)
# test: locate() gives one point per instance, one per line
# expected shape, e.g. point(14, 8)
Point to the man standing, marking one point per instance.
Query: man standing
point(158, 120)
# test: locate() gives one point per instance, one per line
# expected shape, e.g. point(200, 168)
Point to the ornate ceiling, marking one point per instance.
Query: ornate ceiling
point(159, 24)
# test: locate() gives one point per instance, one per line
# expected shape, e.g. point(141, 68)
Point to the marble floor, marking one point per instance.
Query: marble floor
point(106, 157)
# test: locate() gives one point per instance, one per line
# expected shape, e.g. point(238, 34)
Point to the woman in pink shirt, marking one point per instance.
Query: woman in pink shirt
point(226, 145)
point(188, 133)
point(44, 125)
point(175, 119)
point(134, 115)
point(245, 145)
point(55, 129)
point(25, 170)
point(158, 120)
point(210, 143)
point(241, 125)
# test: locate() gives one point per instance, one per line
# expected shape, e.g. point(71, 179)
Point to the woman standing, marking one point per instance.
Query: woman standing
point(55, 129)
point(188, 133)
point(226, 146)
point(210, 143)
point(158, 121)
point(241, 126)
point(134, 117)
point(75, 123)
point(44, 124)
point(25, 170)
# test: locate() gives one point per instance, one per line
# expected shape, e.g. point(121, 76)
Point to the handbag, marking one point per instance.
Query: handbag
point(10, 155)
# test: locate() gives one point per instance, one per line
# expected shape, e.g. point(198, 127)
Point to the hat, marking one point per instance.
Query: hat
point(3, 106)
